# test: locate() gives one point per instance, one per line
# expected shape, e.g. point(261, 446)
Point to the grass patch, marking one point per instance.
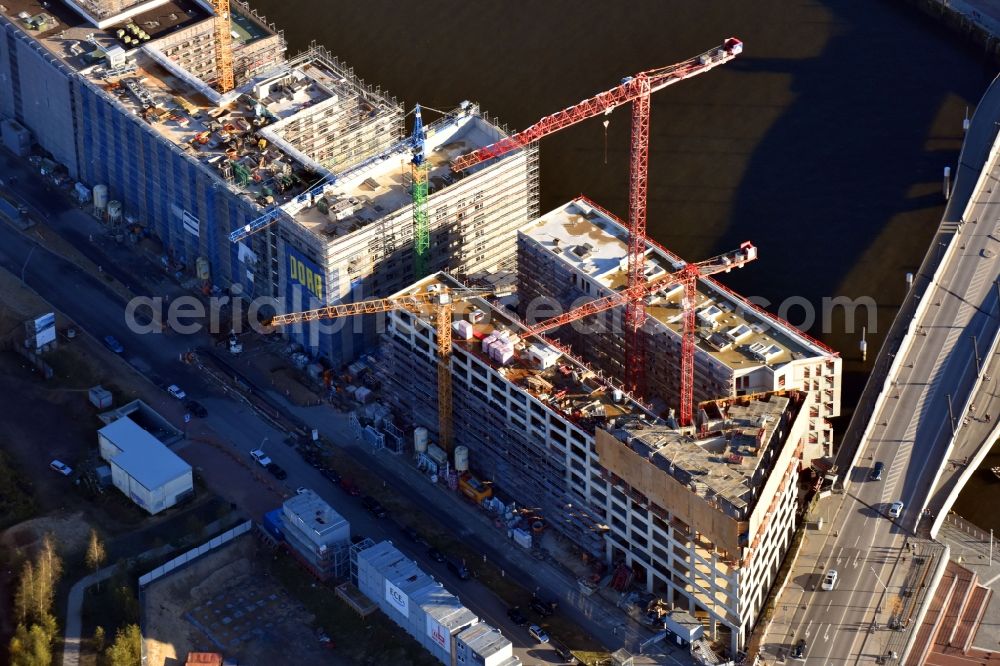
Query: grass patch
point(371, 640)
point(70, 370)
point(112, 604)
point(16, 500)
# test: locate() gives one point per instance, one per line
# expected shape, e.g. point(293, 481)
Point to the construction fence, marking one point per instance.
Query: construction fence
point(193, 554)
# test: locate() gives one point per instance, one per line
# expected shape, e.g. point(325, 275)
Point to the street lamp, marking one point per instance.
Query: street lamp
point(26, 260)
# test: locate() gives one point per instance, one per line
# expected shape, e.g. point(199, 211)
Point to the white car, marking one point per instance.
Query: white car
point(300, 490)
point(538, 633)
point(176, 391)
point(896, 510)
point(260, 457)
point(61, 467)
point(830, 580)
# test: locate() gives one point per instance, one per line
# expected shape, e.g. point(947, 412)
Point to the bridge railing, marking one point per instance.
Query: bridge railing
point(919, 308)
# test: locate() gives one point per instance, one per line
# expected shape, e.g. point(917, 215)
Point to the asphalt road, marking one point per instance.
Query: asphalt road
point(99, 312)
point(911, 436)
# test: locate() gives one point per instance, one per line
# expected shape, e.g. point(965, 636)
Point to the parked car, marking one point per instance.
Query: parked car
point(350, 488)
point(300, 490)
point(799, 651)
point(196, 408)
point(896, 510)
point(459, 569)
point(542, 607)
point(277, 471)
point(61, 467)
point(538, 633)
point(330, 475)
point(111, 342)
point(260, 457)
point(877, 470)
point(176, 391)
point(435, 554)
point(374, 506)
point(830, 580)
point(411, 534)
point(517, 616)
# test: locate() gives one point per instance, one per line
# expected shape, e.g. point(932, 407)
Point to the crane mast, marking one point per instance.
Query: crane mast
point(443, 302)
point(635, 90)
point(688, 277)
point(223, 38)
point(418, 171)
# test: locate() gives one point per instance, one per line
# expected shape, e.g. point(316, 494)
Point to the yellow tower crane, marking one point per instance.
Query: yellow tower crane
point(441, 300)
point(223, 45)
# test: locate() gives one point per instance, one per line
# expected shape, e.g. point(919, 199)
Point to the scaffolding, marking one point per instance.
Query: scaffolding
point(358, 121)
point(522, 468)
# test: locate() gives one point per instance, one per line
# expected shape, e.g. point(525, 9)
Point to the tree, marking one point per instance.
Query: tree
point(30, 647)
point(49, 567)
point(24, 598)
point(99, 639)
point(96, 554)
point(127, 648)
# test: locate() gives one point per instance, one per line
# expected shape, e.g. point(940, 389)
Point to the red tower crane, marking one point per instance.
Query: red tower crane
point(687, 276)
point(635, 89)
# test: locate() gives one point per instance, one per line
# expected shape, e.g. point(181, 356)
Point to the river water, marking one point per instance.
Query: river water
point(824, 143)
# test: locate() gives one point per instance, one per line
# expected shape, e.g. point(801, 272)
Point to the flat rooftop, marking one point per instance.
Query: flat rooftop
point(165, 19)
point(561, 382)
point(729, 457)
point(595, 244)
point(314, 513)
point(143, 457)
point(177, 105)
point(381, 186)
point(485, 640)
point(421, 588)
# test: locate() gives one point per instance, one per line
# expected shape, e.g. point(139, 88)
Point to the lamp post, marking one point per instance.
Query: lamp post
point(26, 260)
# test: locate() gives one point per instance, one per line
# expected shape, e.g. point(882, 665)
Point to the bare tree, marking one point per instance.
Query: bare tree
point(24, 598)
point(96, 553)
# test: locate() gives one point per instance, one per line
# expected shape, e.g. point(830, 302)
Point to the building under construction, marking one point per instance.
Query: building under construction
point(702, 519)
point(577, 253)
point(128, 99)
point(356, 239)
point(528, 420)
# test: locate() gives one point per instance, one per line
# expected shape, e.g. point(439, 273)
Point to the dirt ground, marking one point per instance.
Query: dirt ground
point(227, 602)
point(69, 531)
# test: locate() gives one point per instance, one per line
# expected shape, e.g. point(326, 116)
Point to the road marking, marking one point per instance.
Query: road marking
point(859, 536)
point(807, 628)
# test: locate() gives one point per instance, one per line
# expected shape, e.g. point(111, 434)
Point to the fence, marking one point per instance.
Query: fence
point(193, 554)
